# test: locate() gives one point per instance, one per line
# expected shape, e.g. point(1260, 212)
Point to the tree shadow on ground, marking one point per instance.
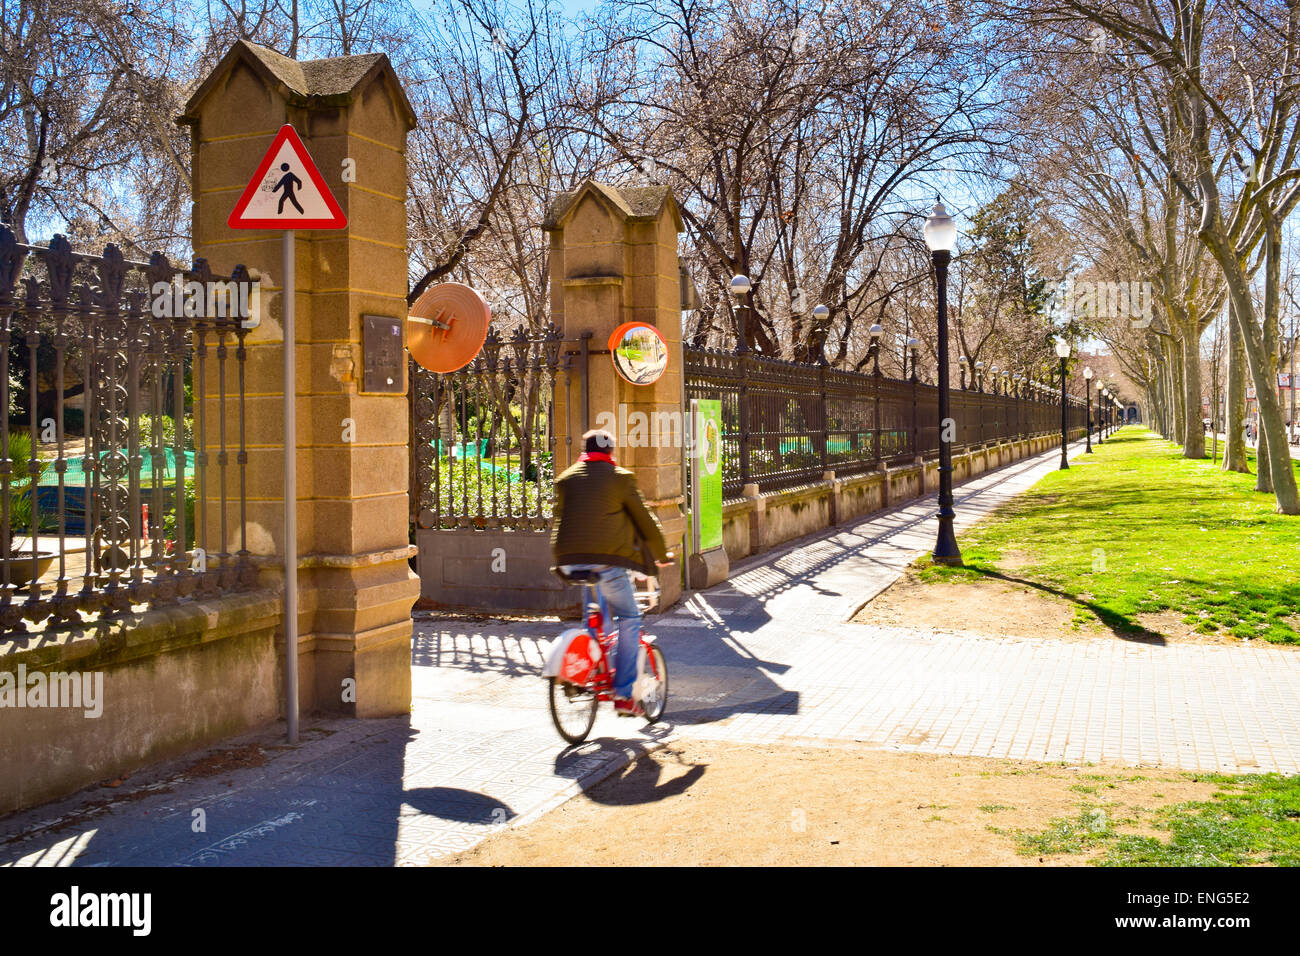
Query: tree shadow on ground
point(1123, 627)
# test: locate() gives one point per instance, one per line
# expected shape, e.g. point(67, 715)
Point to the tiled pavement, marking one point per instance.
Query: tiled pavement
point(765, 656)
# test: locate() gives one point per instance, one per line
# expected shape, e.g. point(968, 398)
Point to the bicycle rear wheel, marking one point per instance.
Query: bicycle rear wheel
point(573, 710)
point(654, 692)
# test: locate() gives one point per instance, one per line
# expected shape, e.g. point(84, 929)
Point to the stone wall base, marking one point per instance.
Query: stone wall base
point(173, 680)
point(759, 521)
point(465, 569)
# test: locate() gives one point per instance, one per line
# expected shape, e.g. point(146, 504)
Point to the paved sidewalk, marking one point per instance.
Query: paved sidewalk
point(1250, 443)
point(765, 656)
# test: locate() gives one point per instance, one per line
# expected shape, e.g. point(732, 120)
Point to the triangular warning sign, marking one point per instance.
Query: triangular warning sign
point(287, 191)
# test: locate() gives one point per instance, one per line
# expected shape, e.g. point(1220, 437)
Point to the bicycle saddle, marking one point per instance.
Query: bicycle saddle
point(579, 576)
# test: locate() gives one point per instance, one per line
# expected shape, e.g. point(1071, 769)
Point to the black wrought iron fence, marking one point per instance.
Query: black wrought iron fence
point(122, 455)
point(785, 423)
point(484, 437)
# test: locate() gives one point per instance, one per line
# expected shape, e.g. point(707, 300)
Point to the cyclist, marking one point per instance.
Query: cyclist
point(602, 525)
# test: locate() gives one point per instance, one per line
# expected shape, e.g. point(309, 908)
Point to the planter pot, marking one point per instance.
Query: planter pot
point(20, 566)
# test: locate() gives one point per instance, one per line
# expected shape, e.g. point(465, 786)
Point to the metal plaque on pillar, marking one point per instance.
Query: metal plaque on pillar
point(382, 355)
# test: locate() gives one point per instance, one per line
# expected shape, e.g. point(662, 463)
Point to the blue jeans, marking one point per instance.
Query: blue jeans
point(615, 585)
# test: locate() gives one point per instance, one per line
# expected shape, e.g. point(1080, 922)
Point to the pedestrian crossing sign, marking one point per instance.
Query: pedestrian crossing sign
point(287, 191)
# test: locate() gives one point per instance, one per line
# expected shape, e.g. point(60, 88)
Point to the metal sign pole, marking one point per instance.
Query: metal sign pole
point(693, 545)
point(257, 208)
point(688, 478)
point(290, 498)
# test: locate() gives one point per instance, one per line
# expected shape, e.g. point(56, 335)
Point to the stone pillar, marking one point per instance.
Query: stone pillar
point(355, 585)
point(614, 260)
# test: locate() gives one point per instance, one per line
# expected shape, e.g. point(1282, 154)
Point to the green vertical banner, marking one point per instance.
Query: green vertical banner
point(706, 457)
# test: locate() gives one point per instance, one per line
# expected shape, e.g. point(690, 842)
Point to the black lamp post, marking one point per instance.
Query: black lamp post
point(740, 287)
point(821, 322)
point(876, 333)
point(940, 235)
point(1087, 387)
point(1063, 353)
point(962, 361)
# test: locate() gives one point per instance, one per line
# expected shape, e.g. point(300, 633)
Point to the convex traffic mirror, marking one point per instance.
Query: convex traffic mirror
point(639, 351)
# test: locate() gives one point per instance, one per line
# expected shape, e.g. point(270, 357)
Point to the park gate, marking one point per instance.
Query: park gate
point(483, 473)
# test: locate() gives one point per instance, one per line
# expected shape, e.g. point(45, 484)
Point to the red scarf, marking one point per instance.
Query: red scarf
point(597, 456)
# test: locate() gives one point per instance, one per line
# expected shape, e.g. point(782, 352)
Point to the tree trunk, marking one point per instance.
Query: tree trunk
point(1263, 473)
point(1171, 415)
point(1193, 426)
point(1171, 405)
point(1262, 365)
point(1178, 383)
point(1234, 424)
point(1160, 403)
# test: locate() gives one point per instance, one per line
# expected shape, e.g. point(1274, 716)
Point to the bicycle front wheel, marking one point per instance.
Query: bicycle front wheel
point(654, 693)
point(573, 710)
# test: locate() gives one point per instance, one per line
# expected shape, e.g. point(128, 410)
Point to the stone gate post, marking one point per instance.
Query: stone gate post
point(355, 586)
point(614, 260)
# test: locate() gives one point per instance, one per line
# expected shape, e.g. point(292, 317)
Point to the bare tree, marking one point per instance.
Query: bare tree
point(1231, 91)
point(800, 144)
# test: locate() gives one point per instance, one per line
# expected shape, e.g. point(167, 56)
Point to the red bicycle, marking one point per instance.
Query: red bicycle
point(579, 665)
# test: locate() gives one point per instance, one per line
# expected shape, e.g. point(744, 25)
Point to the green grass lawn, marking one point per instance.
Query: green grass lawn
point(1249, 820)
point(1135, 528)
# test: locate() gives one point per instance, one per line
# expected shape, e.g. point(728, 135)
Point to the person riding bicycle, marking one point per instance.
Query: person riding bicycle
point(602, 525)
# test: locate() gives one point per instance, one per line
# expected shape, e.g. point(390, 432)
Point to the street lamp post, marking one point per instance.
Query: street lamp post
point(940, 235)
point(912, 346)
point(740, 288)
point(821, 321)
point(962, 361)
point(876, 333)
point(1103, 412)
point(1063, 353)
point(1087, 386)
point(1018, 385)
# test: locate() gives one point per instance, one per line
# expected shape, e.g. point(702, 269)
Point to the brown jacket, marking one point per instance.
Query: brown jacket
point(600, 518)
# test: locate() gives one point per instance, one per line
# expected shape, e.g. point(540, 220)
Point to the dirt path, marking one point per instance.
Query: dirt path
point(989, 606)
point(703, 803)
